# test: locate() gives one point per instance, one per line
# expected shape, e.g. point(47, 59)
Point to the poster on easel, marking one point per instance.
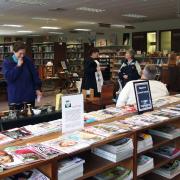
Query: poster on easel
point(143, 96)
point(72, 113)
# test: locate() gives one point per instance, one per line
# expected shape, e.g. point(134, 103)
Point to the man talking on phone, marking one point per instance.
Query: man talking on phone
point(23, 83)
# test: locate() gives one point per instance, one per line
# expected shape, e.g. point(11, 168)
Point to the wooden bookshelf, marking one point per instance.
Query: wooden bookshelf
point(94, 164)
point(76, 54)
point(43, 53)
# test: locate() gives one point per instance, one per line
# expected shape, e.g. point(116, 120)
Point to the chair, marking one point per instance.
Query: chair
point(106, 98)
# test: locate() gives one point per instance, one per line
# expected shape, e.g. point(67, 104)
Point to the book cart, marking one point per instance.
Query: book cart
point(95, 164)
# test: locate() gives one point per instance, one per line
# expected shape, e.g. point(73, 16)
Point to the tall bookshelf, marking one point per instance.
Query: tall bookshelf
point(76, 54)
point(110, 60)
point(6, 49)
point(42, 53)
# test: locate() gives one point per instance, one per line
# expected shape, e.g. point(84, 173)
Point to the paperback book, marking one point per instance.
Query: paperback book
point(65, 144)
point(169, 170)
point(168, 152)
point(17, 133)
point(145, 163)
point(144, 142)
point(118, 173)
point(105, 129)
point(29, 175)
point(5, 139)
point(71, 168)
point(168, 131)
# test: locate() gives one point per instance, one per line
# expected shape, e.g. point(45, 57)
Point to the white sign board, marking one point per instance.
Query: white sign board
point(72, 113)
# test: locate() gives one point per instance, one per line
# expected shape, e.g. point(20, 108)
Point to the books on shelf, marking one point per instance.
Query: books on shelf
point(45, 151)
point(85, 137)
point(106, 129)
point(167, 151)
point(66, 144)
point(109, 113)
point(145, 163)
point(71, 168)
point(169, 170)
point(33, 174)
point(8, 160)
point(165, 100)
point(5, 139)
point(44, 128)
point(115, 151)
point(144, 142)
point(17, 133)
point(119, 173)
point(168, 131)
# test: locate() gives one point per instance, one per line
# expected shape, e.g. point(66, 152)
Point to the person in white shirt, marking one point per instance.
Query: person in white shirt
point(158, 89)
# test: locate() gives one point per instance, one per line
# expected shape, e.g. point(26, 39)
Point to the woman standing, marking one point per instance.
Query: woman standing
point(130, 69)
point(91, 73)
point(22, 79)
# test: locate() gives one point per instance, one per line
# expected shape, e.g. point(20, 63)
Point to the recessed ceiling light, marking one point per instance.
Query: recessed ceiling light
point(86, 30)
point(50, 27)
point(44, 19)
point(55, 32)
point(90, 9)
point(24, 31)
point(118, 25)
point(12, 25)
point(86, 22)
point(134, 15)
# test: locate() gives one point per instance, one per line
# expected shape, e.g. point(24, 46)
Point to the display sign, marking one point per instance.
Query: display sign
point(143, 96)
point(72, 113)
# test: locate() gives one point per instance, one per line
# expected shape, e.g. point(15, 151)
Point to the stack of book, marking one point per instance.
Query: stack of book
point(168, 152)
point(29, 175)
point(71, 169)
point(115, 151)
point(118, 172)
point(144, 142)
point(169, 170)
point(168, 131)
point(145, 164)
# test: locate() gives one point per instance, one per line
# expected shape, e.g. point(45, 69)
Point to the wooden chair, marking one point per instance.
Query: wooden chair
point(96, 103)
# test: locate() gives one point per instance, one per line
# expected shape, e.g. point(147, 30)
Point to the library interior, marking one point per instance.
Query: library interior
point(89, 89)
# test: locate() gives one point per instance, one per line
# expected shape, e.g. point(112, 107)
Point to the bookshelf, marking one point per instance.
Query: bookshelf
point(76, 53)
point(111, 60)
point(95, 164)
point(6, 50)
point(43, 53)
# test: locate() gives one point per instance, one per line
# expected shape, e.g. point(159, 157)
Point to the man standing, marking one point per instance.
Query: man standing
point(130, 69)
point(23, 83)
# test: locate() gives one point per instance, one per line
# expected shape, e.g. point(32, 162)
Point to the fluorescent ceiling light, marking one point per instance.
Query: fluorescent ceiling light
point(12, 25)
point(90, 9)
point(30, 2)
point(50, 27)
point(134, 15)
point(86, 30)
point(24, 31)
point(118, 25)
point(44, 19)
point(55, 32)
point(86, 22)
